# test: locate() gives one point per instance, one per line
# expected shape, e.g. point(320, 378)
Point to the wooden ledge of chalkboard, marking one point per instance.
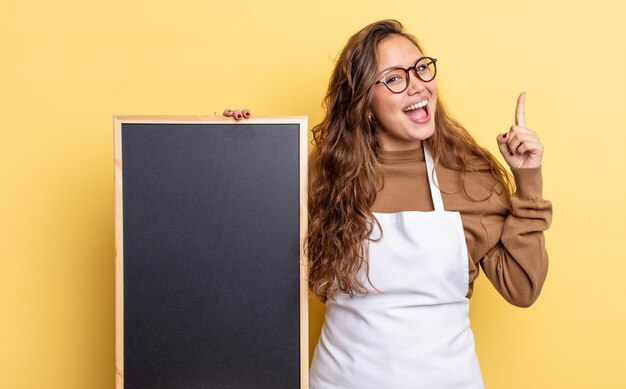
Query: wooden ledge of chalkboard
point(205, 119)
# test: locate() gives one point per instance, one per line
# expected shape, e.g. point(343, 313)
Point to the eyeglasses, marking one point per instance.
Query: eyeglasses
point(397, 80)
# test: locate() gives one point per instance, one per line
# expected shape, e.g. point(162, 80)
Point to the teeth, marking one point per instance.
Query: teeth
point(416, 106)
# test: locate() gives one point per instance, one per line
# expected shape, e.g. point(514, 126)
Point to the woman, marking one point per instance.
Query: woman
point(404, 207)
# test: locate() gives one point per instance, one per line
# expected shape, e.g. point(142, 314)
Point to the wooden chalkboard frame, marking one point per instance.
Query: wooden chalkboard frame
point(119, 249)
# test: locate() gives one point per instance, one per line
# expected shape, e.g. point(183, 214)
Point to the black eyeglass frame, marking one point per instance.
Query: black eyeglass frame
point(408, 71)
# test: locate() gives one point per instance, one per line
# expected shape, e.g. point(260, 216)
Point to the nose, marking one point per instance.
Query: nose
point(415, 84)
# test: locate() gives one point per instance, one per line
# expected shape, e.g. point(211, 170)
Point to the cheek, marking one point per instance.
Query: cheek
point(377, 109)
point(386, 116)
point(378, 103)
point(432, 88)
point(386, 104)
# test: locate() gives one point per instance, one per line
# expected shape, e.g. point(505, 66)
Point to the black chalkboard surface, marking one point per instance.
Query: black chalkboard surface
point(210, 281)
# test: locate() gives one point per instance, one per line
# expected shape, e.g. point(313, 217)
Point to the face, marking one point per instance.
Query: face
point(400, 123)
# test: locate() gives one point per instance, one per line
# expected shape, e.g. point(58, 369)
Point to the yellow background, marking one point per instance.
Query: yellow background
point(68, 66)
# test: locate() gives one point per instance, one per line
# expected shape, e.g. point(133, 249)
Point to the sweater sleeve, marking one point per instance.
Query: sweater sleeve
point(517, 265)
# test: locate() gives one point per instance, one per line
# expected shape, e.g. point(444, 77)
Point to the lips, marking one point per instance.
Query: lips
point(418, 112)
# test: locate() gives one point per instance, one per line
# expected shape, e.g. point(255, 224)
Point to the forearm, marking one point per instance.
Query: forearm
point(517, 266)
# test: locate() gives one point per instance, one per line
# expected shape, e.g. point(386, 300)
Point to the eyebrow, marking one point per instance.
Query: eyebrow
point(389, 68)
point(398, 66)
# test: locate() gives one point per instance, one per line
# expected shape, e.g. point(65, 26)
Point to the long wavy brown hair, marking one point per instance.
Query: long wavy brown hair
point(345, 169)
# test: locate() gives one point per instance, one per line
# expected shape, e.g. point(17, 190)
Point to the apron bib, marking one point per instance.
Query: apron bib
point(412, 331)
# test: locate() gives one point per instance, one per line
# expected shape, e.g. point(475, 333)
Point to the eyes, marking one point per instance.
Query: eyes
point(397, 80)
point(400, 75)
point(421, 68)
point(397, 76)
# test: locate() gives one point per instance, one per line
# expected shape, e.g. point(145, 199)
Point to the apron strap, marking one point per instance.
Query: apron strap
point(432, 181)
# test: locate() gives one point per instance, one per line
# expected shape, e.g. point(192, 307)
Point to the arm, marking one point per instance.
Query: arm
point(517, 265)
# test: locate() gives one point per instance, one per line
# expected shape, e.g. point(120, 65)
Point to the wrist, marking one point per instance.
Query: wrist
point(528, 182)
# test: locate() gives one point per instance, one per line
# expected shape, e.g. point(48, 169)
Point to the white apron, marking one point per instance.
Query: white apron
point(415, 333)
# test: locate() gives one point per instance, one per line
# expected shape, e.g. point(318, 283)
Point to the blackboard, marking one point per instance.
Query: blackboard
point(211, 285)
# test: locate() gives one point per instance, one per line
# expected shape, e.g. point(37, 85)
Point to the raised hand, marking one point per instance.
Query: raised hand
point(520, 146)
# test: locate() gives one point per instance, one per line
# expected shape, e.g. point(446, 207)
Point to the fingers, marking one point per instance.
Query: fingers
point(520, 115)
point(517, 137)
point(531, 147)
point(503, 146)
point(238, 114)
point(520, 146)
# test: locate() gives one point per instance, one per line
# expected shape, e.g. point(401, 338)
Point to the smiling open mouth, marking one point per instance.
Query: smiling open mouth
point(419, 112)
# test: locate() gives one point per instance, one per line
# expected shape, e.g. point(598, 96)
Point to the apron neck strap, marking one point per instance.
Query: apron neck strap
point(432, 181)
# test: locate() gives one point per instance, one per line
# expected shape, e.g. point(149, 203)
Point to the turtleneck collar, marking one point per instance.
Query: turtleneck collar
point(412, 155)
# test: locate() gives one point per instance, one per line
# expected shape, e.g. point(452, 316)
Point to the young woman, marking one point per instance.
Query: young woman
point(404, 208)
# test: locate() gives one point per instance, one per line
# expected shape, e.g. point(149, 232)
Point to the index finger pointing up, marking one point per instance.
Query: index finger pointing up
point(520, 118)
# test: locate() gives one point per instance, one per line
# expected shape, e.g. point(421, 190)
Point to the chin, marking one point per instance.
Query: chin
point(422, 133)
